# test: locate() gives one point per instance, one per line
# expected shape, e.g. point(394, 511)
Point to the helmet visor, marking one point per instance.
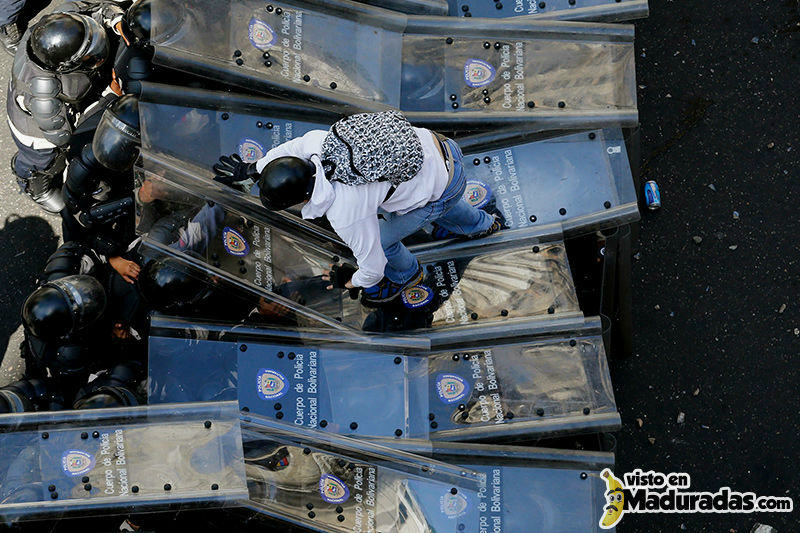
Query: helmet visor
point(86, 297)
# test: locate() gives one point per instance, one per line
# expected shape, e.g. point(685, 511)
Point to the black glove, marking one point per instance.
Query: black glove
point(341, 274)
point(231, 170)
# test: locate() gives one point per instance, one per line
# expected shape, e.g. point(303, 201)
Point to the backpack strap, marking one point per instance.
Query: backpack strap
point(389, 193)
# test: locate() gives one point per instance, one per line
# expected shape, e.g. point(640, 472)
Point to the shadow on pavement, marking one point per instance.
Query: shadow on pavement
point(25, 243)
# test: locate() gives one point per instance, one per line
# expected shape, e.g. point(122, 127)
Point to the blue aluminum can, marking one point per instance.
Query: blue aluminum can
point(652, 196)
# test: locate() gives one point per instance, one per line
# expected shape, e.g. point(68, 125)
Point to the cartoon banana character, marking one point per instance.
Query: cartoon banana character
point(616, 500)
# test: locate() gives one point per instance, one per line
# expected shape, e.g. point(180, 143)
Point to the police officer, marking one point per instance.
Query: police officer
point(98, 190)
point(60, 71)
point(73, 320)
point(133, 62)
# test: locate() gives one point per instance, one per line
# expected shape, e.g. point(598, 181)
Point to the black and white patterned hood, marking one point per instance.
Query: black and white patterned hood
point(370, 147)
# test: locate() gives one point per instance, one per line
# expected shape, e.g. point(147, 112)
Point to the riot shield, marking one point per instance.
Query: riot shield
point(441, 71)
point(529, 489)
point(573, 183)
point(584, 10)
point(121, 460)
point(504, 388)
point(281, 258)
point(412, 7)
point(198, 126)
point(334, 484)
point(580, 10)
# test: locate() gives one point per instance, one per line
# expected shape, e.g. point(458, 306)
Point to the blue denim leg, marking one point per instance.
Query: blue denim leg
point(458, 216)
point(401, 264)
point(450, 211)
point(464, 219)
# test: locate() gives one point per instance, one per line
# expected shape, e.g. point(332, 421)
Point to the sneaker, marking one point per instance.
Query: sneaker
point(497, 224)
point(387, 290)
point(10, 36)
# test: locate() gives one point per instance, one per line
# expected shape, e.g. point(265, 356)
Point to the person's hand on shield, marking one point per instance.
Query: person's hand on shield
point(231, 170)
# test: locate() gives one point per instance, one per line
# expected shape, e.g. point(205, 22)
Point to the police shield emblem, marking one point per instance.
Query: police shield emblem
point(76, 462)
point(332, 489)
point(271, 384)
point(477, 194)
point(416, 296)
point(234, 242)
point(451, 388)
point(453, 505)
point(261, 34)
point(478, 73)
point(250, 150)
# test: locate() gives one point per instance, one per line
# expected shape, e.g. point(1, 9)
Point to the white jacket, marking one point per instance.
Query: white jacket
point(353, 210)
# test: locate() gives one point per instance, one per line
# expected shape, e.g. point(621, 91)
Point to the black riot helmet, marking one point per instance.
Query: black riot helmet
point(64, 42)
point(22, 396)
point(167, 286)
point(138, 21)
point(103, 397)
point(63, 307)
point(116, 141)
point(116, 387)
point(285, 182)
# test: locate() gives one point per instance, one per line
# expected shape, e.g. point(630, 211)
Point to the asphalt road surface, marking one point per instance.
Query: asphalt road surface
point(716, 322)
point(717, 318)
point(28, 235)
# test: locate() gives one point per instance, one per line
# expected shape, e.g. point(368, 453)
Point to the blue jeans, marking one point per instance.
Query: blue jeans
point(450, 211)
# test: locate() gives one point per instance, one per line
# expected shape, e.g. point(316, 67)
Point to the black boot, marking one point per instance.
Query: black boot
point(10, 35)
point(43, 186)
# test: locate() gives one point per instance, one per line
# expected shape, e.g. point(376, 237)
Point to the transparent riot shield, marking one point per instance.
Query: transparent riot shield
point(585, 10)
point(580, 10)
point(228, 235)
point(506, 388)
point(441, 71)
point(573, 183)
point(197, 126)
point(412, 7)
point(121, 460)
point(334, 484)
point(528, 489)
point(495, 290)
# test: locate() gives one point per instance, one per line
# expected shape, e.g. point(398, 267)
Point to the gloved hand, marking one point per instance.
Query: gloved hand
point(339, 275)
point(231, 170)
